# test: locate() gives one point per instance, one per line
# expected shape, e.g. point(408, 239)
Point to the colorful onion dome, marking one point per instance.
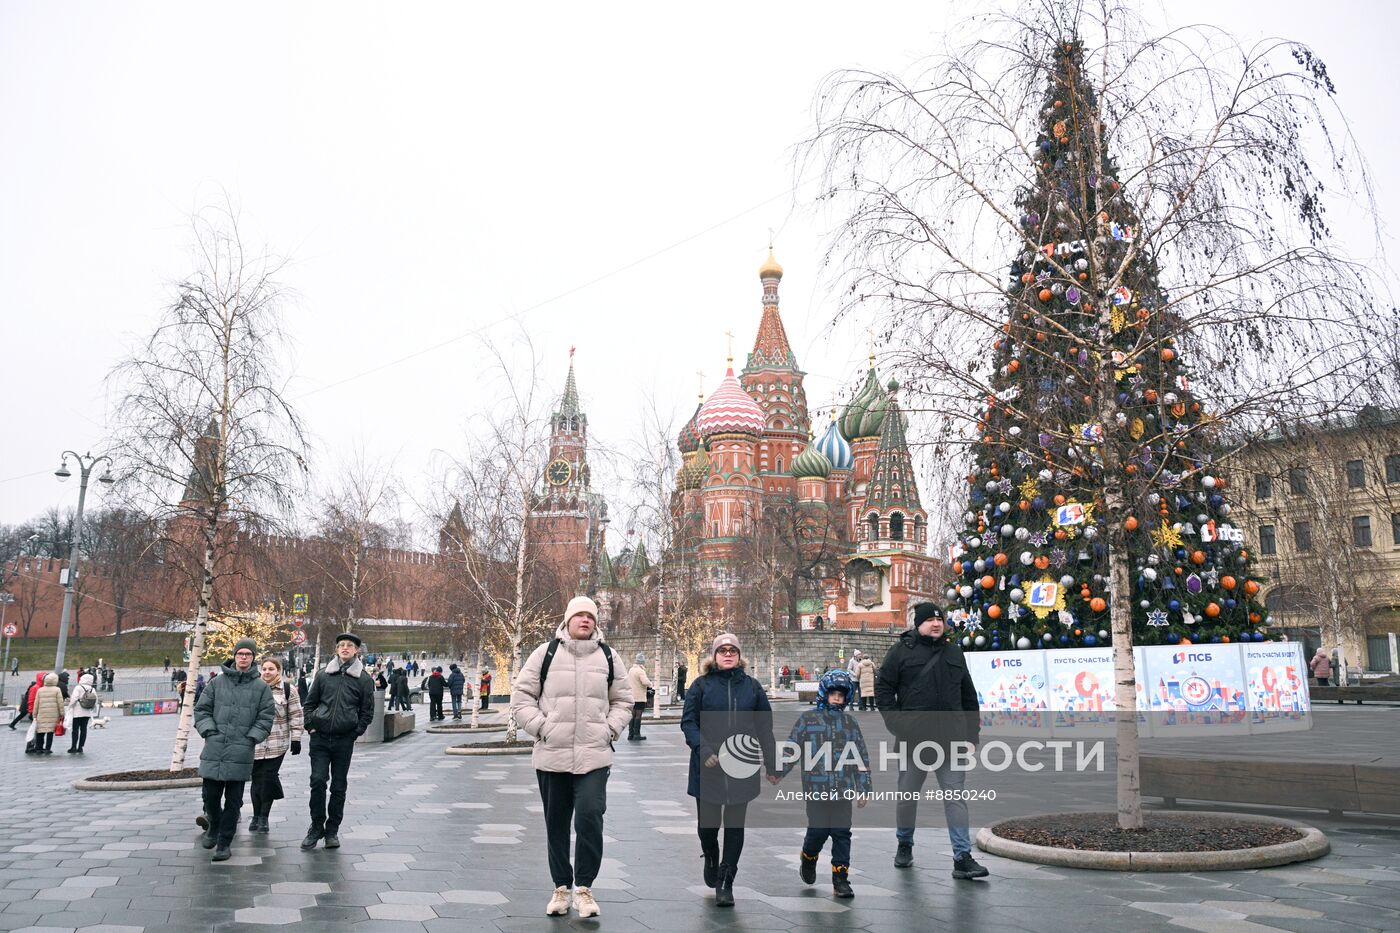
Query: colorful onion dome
point(836, 448)
point(811, 464)
point(689, 440)
point(694, 473)
point(770, 269)
point(729, 410)
point(856, 420)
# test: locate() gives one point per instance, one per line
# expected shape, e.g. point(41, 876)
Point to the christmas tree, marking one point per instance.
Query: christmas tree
point(1092, 475)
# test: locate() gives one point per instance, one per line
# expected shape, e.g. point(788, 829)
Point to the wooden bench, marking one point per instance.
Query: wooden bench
point(1364, 787)
point(397, 723)
point(1376, 694)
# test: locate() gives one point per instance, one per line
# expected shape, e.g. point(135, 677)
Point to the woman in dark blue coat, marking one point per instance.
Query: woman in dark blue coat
point(728, 725)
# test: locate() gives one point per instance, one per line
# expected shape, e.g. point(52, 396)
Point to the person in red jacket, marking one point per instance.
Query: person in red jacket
point(26, 706)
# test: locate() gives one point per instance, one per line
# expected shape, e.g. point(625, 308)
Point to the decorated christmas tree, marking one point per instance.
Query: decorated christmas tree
point(1092, 475)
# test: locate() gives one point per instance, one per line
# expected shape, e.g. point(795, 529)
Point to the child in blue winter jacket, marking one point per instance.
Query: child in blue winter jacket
point(831, 778)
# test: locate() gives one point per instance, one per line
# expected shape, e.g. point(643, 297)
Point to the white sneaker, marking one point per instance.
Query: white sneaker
point(559, 903)
point(584, 903)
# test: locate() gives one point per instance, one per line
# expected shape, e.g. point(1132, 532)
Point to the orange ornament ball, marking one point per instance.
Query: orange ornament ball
point(1228, 582)
point(1059, 500)
point(1098, 604)
point(1225, 639)
point(1198, 557)
point(1131, 523)
point(994, 612)
point(1025, 505)
point(1168, 354)
point(1027, 278)
point(957, 566)
point(1212, 609)
point(1042, 562)
point(988, 582)
point(1251, 587)
point(1060, 534)
point(999, 560)
point(1046, 294)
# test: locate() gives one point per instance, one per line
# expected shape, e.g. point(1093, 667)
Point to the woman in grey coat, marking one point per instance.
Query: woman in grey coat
point(233, 714)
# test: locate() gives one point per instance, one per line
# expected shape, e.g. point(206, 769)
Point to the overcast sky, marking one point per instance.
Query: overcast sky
point(604, 175)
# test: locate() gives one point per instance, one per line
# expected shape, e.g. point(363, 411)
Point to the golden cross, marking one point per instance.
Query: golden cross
point(701, 374)
point(730, 335)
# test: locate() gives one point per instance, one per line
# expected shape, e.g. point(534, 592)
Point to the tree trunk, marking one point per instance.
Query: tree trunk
point(1125, 691)
point(201, 625)
point(476, 679)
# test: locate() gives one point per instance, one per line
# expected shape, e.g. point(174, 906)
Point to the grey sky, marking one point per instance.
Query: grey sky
point(432, 169)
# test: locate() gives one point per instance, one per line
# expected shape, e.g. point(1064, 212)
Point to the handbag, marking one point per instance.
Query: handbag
point(58, 728)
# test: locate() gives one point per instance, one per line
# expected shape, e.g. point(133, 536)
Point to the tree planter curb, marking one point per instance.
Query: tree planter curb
point(467, 730)
point(165, 784)
point(1313, 845)
point(492, 748)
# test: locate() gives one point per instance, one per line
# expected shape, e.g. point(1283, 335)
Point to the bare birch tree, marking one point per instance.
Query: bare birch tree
point(1156, 198)
point(202, 407)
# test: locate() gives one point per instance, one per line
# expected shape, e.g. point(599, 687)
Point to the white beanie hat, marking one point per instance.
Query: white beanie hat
point(581, 604)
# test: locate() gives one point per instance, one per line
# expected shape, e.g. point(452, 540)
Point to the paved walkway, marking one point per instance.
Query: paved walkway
point(441, 843)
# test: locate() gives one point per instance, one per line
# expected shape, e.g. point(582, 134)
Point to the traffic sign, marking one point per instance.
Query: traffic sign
point(299, 602)
point(299, 637)
point(298, 621)
point(11, 629)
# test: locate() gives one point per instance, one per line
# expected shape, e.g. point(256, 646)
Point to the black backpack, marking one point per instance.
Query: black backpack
point(88, 700)
point(549, 659)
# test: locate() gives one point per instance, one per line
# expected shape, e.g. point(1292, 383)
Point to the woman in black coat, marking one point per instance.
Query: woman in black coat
point(728, 725)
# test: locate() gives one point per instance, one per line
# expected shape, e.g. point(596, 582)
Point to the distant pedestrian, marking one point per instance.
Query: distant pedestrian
point(63, 684)
point(572, 699)
point(865, 682)
point(456, 683)
point(485, 687)
point(302, 687)
point(724, 702)
point(167, 663)
point(1321, 667)
point(681, 673)
point(111, 679)
point(14, 666)
point(26, 703)
point(435, 685)
point(47, 710)
point(285, 736)
point(641, 694)
point(82, 706)
point(339, 708)
point(233, 714)
point(198, 686)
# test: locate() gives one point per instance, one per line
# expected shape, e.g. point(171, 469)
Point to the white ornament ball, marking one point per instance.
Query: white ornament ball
point(980, 640)
point(1017, 595)
point(1103, 634)
point(1208, 482)
point(965, 591)
point(1145, 604)
point(1149, 574)
point(1202, 518)
point(1014, 430)
point(1045, 476)
point(1027, 558)
point(1067, 581)
point(1008, 530)
point(952, 593)
point(991, 485)
point(1047, 638)
point(1004, 507)
point(974, 541)
point(1224, 508)
point(1023, 643)
point(1022, 534)
point(966, 642)
point(1091, 532)
point(979, 565)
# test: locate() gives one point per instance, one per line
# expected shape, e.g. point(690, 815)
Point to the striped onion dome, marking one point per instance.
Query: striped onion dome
point(836, 448)
point(729, 410)
point(689, 440)
point(866, 412)
point(811, 464)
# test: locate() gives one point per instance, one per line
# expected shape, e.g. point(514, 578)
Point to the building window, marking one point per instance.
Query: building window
point(1302, 536)
point(1297, 481)
point(1392, 468)
point(1356, 474)
point(1263, 486)
point(1395, 528)
point(1267, 543)
point(1361, 530)
point(874, 521)
point(896, 527)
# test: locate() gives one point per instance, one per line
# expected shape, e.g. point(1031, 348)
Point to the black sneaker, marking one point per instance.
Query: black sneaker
point(221, 854)
point(313, 836)
point(904, 855)
point(807, 868)
point(202, 821)
point(966, 868)
point(332, 840)
point(206, 839)
point(840, 883)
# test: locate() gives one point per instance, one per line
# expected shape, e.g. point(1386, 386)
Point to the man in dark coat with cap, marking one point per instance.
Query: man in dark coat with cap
point(929, 703)
point(338, 710)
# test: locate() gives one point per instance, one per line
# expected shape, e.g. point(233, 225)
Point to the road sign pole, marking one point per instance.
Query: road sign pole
point(9, 630)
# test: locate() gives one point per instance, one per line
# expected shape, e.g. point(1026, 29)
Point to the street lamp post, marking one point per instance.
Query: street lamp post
point(85, 464)
point(5, 600)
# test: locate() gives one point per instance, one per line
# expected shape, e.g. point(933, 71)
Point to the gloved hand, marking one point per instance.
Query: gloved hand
point(296, 746)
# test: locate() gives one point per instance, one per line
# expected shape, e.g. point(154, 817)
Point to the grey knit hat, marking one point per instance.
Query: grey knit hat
point(246, 643)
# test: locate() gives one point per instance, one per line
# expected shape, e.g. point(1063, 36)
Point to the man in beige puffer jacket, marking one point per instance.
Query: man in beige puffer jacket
point(574, 718)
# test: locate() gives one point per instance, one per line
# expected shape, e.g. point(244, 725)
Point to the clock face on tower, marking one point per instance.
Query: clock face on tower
point(558, 472)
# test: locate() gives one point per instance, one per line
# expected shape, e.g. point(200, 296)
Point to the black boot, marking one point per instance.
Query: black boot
point(807, 867)
point(724, 891)
point(904, 855)
point(313, 836)
point(840, 883)
point(966, 868)
point(711, 867)
point(206, 839)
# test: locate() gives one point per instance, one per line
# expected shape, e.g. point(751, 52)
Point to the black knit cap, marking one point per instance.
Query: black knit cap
point(925, 611)
point(348, 636)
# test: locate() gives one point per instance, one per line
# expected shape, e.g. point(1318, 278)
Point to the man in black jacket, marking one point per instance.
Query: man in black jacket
point(435, 685)
point(927, 697)
point(338, 710)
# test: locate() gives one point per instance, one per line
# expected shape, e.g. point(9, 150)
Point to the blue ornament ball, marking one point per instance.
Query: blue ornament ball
point(1090, 641)
point(1064, 639)
point(1230, 604)
point(1215, 639)
point(1173, 638)
point(1174, 605)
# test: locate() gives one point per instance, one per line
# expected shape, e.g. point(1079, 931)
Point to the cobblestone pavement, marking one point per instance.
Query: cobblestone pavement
point(437, 842)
